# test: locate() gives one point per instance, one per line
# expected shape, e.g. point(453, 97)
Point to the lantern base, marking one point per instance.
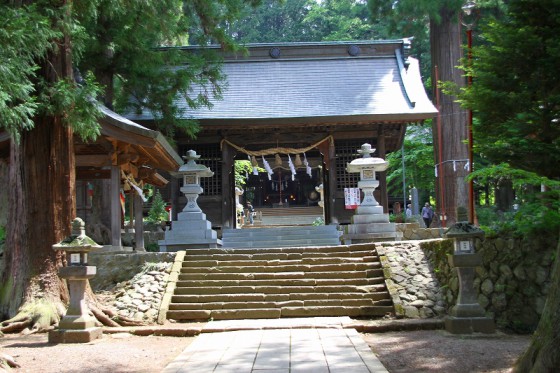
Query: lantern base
point(469, 325)
point(74, 336)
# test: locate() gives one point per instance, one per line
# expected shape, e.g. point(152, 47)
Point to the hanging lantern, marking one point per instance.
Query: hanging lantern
point(254, 162)
point(277, 160)
point(297, 161)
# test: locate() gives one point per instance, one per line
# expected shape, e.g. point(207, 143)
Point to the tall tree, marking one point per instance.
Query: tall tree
point(516, 97)
point(42, 170)
point(273, 21)
point(42, 107)
point(449, 129)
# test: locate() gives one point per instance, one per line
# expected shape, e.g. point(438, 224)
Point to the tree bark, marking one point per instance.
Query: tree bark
point(41, 207)
point(543, 354)
point(451, 186)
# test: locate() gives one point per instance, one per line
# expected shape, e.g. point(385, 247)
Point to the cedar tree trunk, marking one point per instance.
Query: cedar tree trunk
point(41, 208)
point(451, 185)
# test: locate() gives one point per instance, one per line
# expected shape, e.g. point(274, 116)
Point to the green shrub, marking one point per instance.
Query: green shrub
point(2, 234)
point(152, 247)
point(317, 222)
point(157, 212)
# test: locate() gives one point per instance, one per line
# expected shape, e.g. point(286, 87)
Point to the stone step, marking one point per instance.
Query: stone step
point(286, 282)
point(274, 231)
point(281, 275)
point(277, 256)
point(261, 297)
point(284, 268)
point(268, 313)
point(292, 236)
point(275, 289)
point(371, 261)
point(279, 304)
point(282, 243)
point(283, 250)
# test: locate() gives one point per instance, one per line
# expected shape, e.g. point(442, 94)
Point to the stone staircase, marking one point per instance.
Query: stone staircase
point(294, 236)
point(269, 283)
point(289, 215)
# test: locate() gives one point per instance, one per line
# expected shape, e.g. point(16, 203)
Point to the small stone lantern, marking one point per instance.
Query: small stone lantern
point(467, 316)
point(77, 326)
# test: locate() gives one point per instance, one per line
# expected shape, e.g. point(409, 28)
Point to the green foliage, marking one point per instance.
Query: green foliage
point(515, 93)
point(2, 234)
point(242, 168)
point(25, 36)
point(152, 247)
point(317, 222)
point(126, 44)
point(309, 20)
point(419, 163)
point(157, 211)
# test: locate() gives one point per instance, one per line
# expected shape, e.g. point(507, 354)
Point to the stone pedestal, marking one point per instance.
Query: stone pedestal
point(467, 316)
point(77, 326)
point(191, 230)
point(369, 223)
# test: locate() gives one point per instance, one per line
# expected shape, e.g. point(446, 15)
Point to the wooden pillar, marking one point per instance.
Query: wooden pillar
point(174, 185)
point(138, 223)
point(384, 198)
point(116, 207)
point(329, 179)
point(228, 208)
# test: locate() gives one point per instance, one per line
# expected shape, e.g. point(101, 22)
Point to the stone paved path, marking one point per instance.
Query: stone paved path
point(290, 350)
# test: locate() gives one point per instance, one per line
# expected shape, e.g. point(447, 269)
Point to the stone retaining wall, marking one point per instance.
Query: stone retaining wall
point(410, 279)
point(113, 268)
point(512, 283)
point(413, 231)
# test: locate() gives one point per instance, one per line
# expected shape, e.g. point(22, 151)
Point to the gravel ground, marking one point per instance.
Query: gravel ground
point(441, 352)
point(400, 352)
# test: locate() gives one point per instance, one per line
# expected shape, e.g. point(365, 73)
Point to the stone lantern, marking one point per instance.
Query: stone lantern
point(77, 326)
point(467, 316)
point(238, 205)
point(191, 230)
point(369, 223)
point(191, 173)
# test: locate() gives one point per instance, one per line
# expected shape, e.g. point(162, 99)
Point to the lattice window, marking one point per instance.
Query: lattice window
point(211, 157)
point(346, 152)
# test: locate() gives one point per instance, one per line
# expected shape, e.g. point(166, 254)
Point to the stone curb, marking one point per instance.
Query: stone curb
point(171, 284)
point(361, 326)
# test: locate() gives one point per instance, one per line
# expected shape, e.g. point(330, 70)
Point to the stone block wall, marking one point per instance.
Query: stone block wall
point(512, 283)
point(114, 268)
point(410, 279)
point(413, 231)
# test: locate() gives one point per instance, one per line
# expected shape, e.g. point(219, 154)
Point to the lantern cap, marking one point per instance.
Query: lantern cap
point(77, 241)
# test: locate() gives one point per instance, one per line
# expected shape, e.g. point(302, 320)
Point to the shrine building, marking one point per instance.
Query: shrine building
point(300, 111)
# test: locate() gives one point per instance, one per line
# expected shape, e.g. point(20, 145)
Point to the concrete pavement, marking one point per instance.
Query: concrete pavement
point(284, 345)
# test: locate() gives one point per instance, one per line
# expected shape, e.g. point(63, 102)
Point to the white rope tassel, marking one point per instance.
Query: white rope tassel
point(307, 167)
point(435, 169)
point(292, 168)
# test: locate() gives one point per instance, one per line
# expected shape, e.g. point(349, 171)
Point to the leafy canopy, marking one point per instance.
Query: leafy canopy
point(516, 89)
point(27, 34)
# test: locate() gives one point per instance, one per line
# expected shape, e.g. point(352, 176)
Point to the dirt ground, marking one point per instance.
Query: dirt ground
point(400, 352)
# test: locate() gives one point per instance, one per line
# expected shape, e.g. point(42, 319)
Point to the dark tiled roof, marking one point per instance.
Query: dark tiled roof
point(373, 85)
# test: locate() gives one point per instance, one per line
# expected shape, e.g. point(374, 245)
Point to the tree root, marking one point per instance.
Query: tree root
point(7, 361)
point(34, 316)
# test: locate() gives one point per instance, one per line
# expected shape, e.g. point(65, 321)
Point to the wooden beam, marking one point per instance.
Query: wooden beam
point(116, 209)
point(93, 160)
point(92, 174)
